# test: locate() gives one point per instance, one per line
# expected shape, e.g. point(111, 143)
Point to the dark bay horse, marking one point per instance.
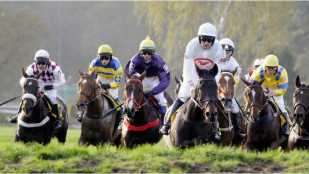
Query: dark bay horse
point(97, 128)
point(263, 130)
point(191, 125)
point(34, 123)
point(299, 136)
point(141, 124)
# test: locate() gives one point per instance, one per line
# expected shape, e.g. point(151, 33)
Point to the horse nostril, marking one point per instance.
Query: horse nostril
point(223, 99)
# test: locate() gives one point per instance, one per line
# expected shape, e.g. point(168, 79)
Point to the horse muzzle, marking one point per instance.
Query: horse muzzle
point(130, 112)
point(81, 106)
point(299, 118)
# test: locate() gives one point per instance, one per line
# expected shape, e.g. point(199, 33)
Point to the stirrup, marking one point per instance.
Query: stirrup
point(79, 117)
point(216, 137)
point(285, 130)
point(57, 125)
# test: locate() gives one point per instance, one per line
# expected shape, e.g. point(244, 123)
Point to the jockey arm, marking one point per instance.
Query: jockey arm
point(188, 65)
point(59, 78)
point(117, 78)
point(164, 78)
point(282, 83)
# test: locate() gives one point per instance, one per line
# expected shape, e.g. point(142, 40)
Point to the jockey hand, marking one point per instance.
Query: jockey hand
point(49, 87)
point(149, 94)
point(191, 88)
point(271, 93)
point(105, 86)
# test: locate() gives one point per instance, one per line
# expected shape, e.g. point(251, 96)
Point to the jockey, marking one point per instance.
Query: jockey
point(276, 80)
point(206, 48)
point(50, 80)
point(229, 63)
point(157, 71)
point(108, 75)
point(259, 61)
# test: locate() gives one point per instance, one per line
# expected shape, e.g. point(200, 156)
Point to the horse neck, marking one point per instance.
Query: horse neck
point(97, 106)
point(141, 116)
point(194, 112)
point(38, 112)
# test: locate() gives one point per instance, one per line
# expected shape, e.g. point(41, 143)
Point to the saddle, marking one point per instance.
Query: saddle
point(111, 101)
point(276, 109)
point(48, 105)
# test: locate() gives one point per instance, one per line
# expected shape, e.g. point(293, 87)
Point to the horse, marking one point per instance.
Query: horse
point(299, 136)
point(34, 123)
point(142, 121)
point(191, 125)
point(263, 129)
point(97, 127)
point(225, 94)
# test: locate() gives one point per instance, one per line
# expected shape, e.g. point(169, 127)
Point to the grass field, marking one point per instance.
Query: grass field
point(69, 157)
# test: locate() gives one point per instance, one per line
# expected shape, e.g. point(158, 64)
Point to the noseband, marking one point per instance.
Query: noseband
point(89, 98)
point(138, 104)
point(31, 96)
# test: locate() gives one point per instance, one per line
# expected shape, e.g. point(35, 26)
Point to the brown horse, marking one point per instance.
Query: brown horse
point(191, 125)
point(264, 124)
point(97, 128)
point(142, 121)
point(226, 94)
point(299, 136)
point(34, 122)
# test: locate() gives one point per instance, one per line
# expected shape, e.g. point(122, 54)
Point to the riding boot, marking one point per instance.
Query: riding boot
point(237, 126)
point(214, 135)
point(285, 126)
point(79, 116)
point(13, 118)
point(163, 111)
point(167, 125)
point(57, 123)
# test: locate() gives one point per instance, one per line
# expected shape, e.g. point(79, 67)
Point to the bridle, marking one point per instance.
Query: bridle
point(35, 98)
point(201, 104)
point(256, 105)
point(89, 97)
point(138, 103)
point(223, 92)
point(306, 109)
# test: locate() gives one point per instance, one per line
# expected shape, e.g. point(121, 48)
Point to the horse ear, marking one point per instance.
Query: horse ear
point(261, 82)
point(235, 70)
point(214, 70)
point(38, 75)
point(245, 82)
point(127, 74)
point(80, 72)
point(176, 80)
point(24, 72)
point(93, 73)
point(143, 75)
point(297, 82)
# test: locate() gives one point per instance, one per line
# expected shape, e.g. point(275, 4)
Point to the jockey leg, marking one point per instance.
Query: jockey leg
point(237, 126)
point(285, 127)
point(119, 118)
point(214, 135)
point(57, 123)
point(167, 125)
point(13, 118)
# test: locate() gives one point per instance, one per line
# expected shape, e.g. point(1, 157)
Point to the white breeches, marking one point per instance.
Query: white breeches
point(149, 84)
point(112, 92)
point(52, 95)
point(280, 102)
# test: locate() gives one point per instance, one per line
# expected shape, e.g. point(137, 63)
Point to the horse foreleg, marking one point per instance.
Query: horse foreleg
point(249, 147)
point(274, 145)
point(16, 138)
point(81, 142)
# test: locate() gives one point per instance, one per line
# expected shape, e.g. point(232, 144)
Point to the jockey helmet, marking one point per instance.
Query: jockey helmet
point(207, 29)
point(259, 61)
point(41, 56)
point(227, 44)
point(147, 44)
point(105, 49)
point(271, 61)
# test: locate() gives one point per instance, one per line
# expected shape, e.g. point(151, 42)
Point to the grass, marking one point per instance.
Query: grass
point(69, 157)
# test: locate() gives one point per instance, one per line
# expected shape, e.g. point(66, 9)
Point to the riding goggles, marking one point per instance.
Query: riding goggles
point(105, 57)
point(41, 60)
point(209, 39)
point(274, 68)
point(41, 63)
point(149, 52)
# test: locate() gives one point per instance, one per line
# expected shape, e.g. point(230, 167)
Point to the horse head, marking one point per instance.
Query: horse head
point(300, 101)
point(254, 98)
point(31, 92)
point(226, 88)
point(178, 84)
point(205, 92)
point(133, 95)
point(88, 90)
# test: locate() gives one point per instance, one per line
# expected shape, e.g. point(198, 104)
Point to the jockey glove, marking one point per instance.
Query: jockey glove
point(149, 94)
point(49, 87)
point(105, 86)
